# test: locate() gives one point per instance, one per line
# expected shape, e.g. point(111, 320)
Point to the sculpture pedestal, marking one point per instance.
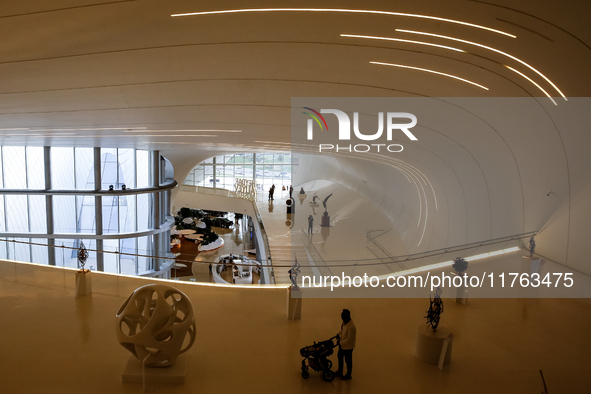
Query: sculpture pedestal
point(461, 295)
point(325, 221)
point(302, 198)
point(175, 374)
point(294, 305)
point(429, 344)
point(83, 283)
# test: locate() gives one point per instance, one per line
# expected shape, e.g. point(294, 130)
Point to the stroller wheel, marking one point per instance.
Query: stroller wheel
point(306, 375)
point(328, 364)
point(328, 376)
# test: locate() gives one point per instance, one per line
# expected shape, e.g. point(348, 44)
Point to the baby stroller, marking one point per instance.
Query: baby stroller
point(317, 357)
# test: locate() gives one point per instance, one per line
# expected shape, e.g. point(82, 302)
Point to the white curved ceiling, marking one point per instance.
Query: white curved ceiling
point(126, 73)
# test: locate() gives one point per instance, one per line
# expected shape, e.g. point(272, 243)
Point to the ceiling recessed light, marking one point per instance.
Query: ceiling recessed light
point(532, 81)
point(436, 18)
point(490, 49)
point(401, 40)
point(430, 71)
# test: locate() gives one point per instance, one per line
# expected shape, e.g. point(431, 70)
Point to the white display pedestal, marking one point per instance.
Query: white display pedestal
point(429, 344)
point(461, 295)
point(175, 374)
point(83, 283)
point(294, 305)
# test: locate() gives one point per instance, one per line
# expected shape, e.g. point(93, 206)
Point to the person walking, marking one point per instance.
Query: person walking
point(272, 191)
point(347, 336)
point(310, 224)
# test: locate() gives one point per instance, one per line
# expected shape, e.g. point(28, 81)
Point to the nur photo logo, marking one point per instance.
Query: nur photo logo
point(392, 122)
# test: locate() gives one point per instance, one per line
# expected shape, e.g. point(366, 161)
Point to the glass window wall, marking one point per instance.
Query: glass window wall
point(266, 168)
point(73, 169)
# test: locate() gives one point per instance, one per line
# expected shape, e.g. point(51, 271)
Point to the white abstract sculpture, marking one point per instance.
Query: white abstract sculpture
point(153, 324)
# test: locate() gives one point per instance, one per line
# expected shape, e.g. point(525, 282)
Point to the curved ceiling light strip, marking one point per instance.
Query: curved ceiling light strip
point(401, 40)
point(532, 81)
point(490, 49)
point(436, 18)
point(431, 71)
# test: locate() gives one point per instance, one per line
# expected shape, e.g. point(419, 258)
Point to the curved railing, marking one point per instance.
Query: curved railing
point(165, 263)
point(83, 192)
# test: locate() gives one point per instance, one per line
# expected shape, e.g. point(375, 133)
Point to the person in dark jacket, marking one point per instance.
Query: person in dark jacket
point(348, 336)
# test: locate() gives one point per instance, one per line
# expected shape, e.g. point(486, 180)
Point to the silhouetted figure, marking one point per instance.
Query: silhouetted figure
point(290, 191)
point(347, 336)
point(302, 190)
point(310, 224)
point(271, 192)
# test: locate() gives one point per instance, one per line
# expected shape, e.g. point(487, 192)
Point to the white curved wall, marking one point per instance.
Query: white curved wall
point(491, 168)
point(490, 163)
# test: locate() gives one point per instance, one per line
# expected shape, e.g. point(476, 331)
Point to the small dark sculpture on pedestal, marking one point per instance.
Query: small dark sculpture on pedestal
point(82, 257)
point(460, 266)
point(293, 273)
point(435, 310)
point(532, 247)
point(325, 217)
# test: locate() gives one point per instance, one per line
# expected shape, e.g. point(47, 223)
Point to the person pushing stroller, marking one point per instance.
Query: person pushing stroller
point(347, 337)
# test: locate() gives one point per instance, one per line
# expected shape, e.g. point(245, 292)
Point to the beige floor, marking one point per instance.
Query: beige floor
point(53, 342)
